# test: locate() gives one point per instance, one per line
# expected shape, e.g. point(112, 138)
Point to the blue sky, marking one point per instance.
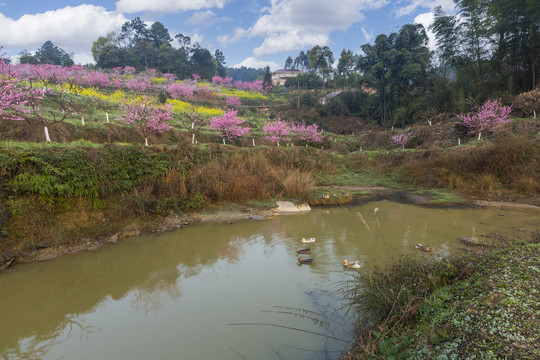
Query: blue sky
point(249, 32)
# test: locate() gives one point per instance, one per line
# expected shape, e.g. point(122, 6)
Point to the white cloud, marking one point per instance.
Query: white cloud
point(426, 19)
point(252, 62)
point(202, 17)
point(447, 5)
point(73, 29)
point(367, 35)
point(294, 24)
point(167, 6)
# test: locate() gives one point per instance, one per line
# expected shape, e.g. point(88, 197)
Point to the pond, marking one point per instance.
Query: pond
point(176, 294)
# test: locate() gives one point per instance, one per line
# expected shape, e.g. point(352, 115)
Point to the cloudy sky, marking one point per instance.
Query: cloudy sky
point(249, 32)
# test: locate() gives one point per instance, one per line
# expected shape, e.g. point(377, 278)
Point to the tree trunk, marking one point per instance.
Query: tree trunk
point(47, 138)
point(107, 116)
point(193, 139)
point(479, 135)
point(82, 120)
point(145, 141)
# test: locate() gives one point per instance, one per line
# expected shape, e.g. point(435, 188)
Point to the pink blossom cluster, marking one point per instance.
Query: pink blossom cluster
point(249, 85)
point(307, 133)
point(13, 97)
point(487, 116)
point(183, 90)
point(218, 80)
point(138, 85)
point(145, 115)
point(402, 139)
point(229, 125)
point(232, 100)
point(277, 131)
point(97, 78)
point(195, 77)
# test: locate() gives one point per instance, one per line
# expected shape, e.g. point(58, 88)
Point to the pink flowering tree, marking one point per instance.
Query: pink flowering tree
point(487, 117)
point(307, 133)
point(402, 139)
point(146, 116)
point(16, 101)
point(233, 101)
point(277, 131)
point(230, 126)
point(138, 85)
point(194, 122)
point(178, 91)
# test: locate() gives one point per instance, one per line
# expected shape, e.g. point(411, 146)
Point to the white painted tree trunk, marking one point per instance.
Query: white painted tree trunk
point(192, 138)
point(458, 141)
point(47, 134)
point(253, 141)
point(534, 112)
point(82, 120)
point(361, 149)
point(107, 115)
point(145, 141)
point(479, 135)
point(429, 122)
point(223, 141)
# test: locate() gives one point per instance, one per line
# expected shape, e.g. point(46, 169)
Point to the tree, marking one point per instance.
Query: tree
point(229, 125)
point(194, 122)
point(27, 58)
point(146, 116)
point(203, 63)
point(346, 65)
point(48, 53)
point(220, 63)
point(307, 133)
point(487, 117)
point(277, 131)
point(267, 79)
point(301, 61)
point(321, 60)
point(106, 53)
point(288, 63)
point(396, 65)
point(402, 139)
point(16, 101)
point(159, 34)
point(135, 33)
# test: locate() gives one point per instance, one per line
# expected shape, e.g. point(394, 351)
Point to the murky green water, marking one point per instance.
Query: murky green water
point(173, 295)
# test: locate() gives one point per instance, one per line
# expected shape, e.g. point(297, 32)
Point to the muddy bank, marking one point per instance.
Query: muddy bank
point(177, 221)
point(171, 222)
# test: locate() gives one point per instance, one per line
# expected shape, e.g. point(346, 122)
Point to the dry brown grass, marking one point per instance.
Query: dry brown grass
point(508, 166)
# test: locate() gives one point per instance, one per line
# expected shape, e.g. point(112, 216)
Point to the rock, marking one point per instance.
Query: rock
point(470, 240)
point(6, 263)
point(287, 207)
point(130, 232)
point(113, 239)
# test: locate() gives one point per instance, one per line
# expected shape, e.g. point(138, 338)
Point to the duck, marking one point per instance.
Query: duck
point(353, 264)
point(305, 241)
point(302, 251)
point(376, 210)
point(326, 196)
point(424, 248)
point(305, 261)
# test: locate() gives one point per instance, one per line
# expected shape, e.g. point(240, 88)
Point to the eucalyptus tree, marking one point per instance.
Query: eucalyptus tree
point(321, 60)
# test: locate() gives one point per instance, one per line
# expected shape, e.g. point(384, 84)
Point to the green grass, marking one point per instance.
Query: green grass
point(442, 197)
point(481, 306)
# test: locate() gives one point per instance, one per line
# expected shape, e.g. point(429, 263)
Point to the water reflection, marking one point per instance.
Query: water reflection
point(173, 295)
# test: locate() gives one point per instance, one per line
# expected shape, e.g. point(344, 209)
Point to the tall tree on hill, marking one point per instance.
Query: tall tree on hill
point(301, 61)
point(346, 66)
point(135, 34)
point(321, 60)
point(288, 63)
point(203, 63)
point(267, 78)
point(397, 66)
point(48, 53)
point(220, 63)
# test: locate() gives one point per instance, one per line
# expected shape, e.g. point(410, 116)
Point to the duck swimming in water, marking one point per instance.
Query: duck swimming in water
point(305, 261)
point(424, 248)
point(353, 264)
point(303, 251)
point(305, 241)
